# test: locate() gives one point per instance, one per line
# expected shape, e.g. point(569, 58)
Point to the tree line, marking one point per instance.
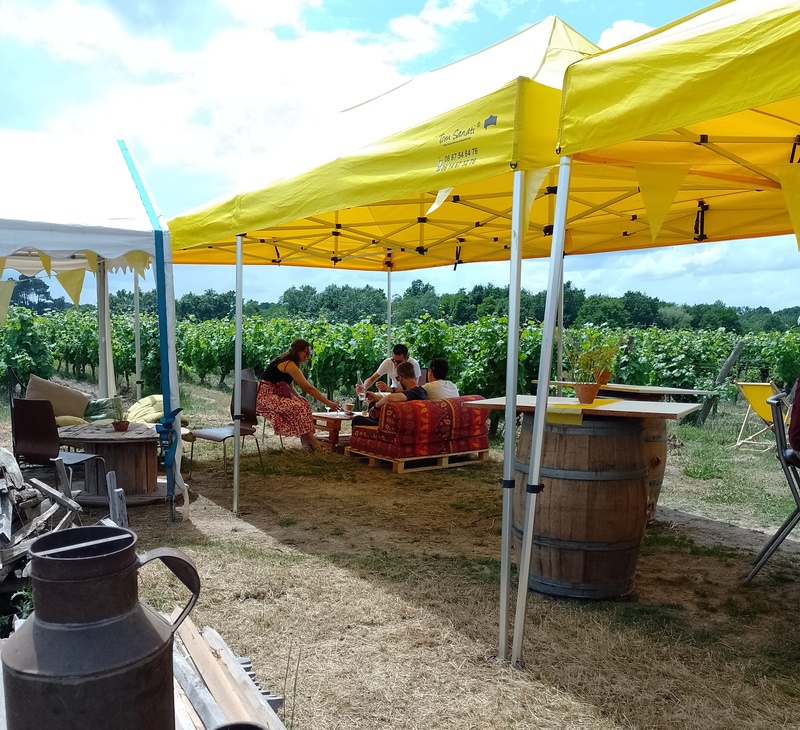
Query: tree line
point(348, 305)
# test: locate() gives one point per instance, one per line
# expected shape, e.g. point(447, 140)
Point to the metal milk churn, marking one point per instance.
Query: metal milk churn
point(91, 656)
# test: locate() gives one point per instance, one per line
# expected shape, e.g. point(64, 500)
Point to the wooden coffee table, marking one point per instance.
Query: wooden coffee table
point(131, 454)
point(331, 422)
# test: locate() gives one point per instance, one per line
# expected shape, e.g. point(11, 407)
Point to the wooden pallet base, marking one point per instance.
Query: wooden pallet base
point(419, 463)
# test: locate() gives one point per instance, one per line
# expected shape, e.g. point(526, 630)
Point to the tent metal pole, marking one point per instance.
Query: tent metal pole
point(389, 313)
point(137, 336)
point(510, 422)
point(540, 415)
point(237, 383)
point(103, 333)
point(560, 351)
point(166, 314)
point(560, 328)
point(168, 430)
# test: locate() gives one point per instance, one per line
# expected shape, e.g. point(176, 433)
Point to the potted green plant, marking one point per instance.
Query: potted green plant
point(118, 415)
point(590, 358)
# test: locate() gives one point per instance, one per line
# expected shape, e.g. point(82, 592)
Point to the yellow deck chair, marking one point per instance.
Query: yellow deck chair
point(752, 430)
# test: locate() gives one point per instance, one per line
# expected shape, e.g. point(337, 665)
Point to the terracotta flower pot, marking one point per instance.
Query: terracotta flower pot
point(604, 377)
point(120, 425)
point(586, 392)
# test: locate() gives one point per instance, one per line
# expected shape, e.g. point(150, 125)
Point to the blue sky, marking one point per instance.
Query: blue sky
point(213, 96)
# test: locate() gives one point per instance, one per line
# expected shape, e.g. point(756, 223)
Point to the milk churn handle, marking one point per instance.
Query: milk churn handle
point(180, 564)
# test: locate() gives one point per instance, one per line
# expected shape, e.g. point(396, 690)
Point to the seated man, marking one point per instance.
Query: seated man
point(408, 390)
point(389, 367)
point(438, 386)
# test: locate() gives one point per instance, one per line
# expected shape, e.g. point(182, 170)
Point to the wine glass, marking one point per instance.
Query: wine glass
point(361, 391)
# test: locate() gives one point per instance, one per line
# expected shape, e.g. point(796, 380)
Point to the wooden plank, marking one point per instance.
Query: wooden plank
point(2, 699)
point(619, 408)
point(61, 477)
point(116, 501)
point(185, 716)
point(59, 497)
point(203, 702)
point(217, 680)
point(34, 524)
point(65, 521)
point(247, 689)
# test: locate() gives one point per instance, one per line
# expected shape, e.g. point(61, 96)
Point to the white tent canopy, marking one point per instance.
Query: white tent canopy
point(78, 202)
point(64, 196)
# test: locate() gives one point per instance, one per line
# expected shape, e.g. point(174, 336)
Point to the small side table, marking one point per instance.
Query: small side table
point(331, 423)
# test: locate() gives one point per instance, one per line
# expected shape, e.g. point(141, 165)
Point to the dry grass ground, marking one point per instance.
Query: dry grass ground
point(371, 601)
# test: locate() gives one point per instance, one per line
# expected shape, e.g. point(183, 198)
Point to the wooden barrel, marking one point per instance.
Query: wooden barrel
point(655, 452)
point(590, 518)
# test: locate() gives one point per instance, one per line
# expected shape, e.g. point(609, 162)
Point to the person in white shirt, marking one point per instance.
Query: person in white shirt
point(438, 386)
point(389, 367)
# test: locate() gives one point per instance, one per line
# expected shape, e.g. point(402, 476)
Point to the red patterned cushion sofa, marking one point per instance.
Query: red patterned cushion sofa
point(426, 432)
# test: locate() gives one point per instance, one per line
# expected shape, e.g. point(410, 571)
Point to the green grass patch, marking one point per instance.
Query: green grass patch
point(660, 538)
point(403, 568)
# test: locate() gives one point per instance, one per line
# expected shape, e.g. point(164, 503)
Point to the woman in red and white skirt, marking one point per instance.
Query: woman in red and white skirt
point(280, 402)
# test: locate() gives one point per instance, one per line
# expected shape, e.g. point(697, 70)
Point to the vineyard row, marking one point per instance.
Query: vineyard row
point(67, 341)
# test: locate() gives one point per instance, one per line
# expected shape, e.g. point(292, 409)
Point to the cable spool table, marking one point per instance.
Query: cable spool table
point(131, 454)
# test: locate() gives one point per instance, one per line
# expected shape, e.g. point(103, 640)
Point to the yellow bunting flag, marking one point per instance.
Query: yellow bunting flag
point(533, 182)
point(790, 182)
point(659, 184)
point(138, 261)
point(91, 260)
point(6, 290)
point(45, 259)
point(72, 281)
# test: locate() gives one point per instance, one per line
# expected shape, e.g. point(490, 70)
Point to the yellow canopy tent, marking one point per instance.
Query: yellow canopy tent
point(457, 136)
point(687, 134)
point(451, 180)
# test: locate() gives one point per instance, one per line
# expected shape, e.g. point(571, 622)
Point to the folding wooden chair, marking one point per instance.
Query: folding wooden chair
point(35, 440)
point(248, 426)
point(790, 463)
point(752, 430)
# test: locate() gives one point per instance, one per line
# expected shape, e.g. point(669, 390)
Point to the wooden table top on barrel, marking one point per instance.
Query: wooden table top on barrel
point(105, 433)
point(615, 408)
point(654, 390)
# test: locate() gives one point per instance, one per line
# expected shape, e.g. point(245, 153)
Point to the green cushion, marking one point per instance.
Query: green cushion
point(70, 421)
point(100, 409)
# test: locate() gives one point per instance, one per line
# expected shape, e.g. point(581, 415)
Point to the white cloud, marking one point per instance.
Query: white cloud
point(266, 15)
point(248, 106)
point(418, 34)
point(71, 31)
point(622, 31)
